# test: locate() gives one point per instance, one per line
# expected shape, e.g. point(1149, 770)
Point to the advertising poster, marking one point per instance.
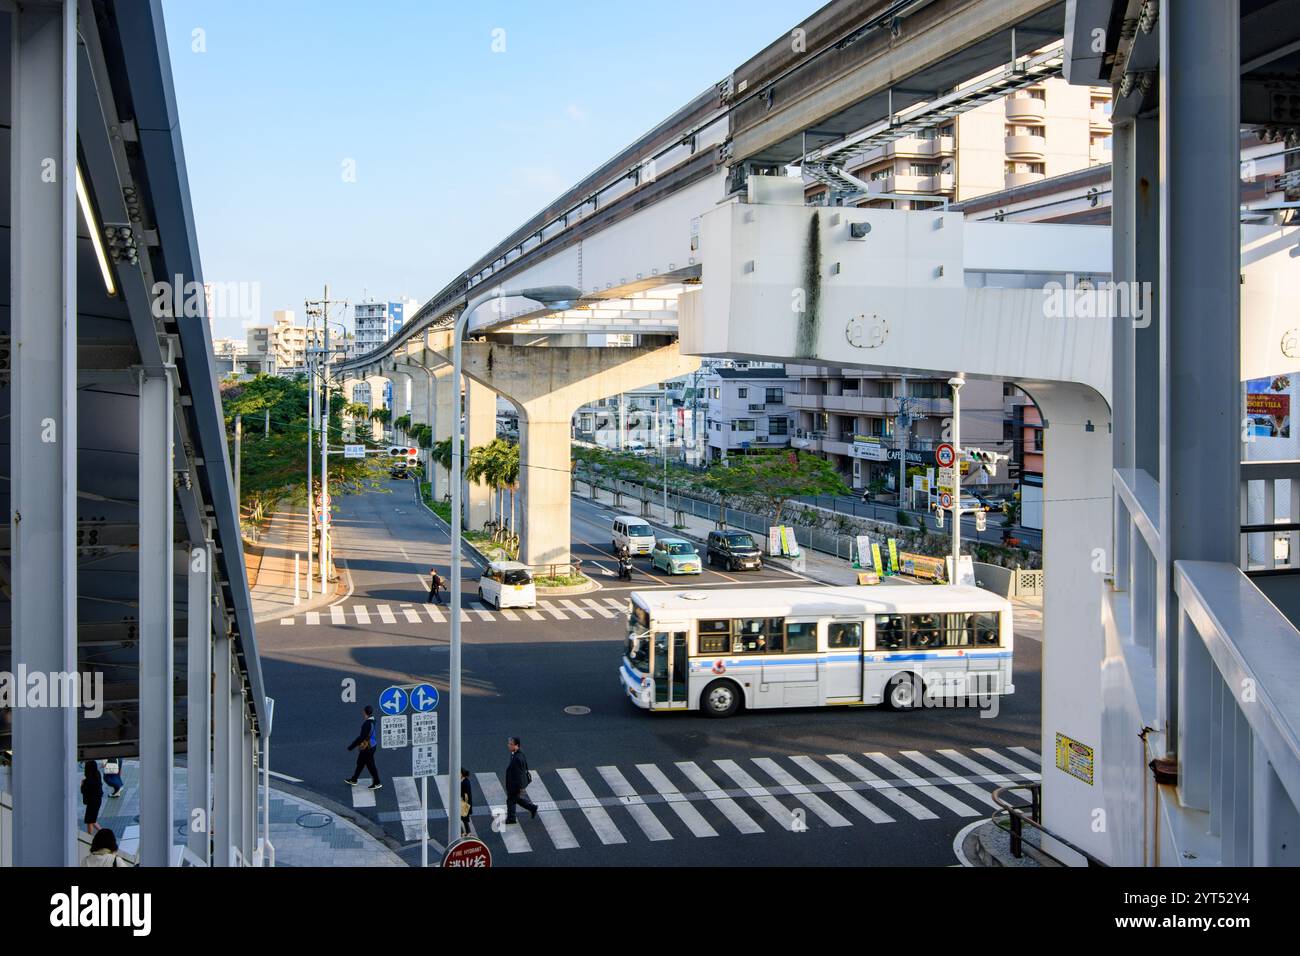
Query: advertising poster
point(1268, 406)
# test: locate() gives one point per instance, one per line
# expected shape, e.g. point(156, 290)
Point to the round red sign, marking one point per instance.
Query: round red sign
point(467, 852)
point(945, 454)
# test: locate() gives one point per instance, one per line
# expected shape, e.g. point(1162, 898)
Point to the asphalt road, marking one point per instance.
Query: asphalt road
point(618, 786)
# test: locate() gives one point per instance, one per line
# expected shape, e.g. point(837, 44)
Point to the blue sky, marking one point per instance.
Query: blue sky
point(453, 145)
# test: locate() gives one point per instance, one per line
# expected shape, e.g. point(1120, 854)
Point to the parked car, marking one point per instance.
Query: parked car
point(991, 502)
point(507, 584)
point(675, 556)
point(734, 550)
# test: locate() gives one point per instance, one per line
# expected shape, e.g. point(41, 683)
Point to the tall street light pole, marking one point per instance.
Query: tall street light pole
point(557, 297)
point(956, 382)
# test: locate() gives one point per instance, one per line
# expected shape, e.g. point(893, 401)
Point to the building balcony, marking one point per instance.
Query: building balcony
point(1026, 146)
point(1098, 154)
point(805, 400)
point(1098, 120)
point(1013, 180)
point(1025, 109)
point(907, 183)
point(915, 146)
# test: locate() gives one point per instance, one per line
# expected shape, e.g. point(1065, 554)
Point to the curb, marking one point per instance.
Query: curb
point(591, 585)
point(360, 821)
point(475, 555)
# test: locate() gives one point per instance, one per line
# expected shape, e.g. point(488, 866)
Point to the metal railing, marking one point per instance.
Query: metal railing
point(1017, 820)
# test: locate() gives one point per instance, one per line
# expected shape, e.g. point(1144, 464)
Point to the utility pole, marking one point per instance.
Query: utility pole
point(266, 429)
point(239, 463)
point(902, 425)
point(956, 382)
point(321, 309)
point(311, 499)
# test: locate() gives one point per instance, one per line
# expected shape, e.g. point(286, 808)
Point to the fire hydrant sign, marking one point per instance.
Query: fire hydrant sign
point(468, 852)
point(393, 732)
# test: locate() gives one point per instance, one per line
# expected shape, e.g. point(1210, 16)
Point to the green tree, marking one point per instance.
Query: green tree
point(382, 415)
point(774, 478)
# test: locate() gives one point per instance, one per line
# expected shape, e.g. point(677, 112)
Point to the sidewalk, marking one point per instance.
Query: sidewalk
point(272, 596)
point(303, 832)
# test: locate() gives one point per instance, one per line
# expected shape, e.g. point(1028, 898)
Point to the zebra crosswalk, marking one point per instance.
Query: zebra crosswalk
point(704, 799)
point(340, 615)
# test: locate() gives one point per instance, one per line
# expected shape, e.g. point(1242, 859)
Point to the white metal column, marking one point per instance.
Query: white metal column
point(222, 811)
point(1200, 318)
point(235, 783)
point(156, 511)
point(43, 421)
point(248, 835)
point(198, 707)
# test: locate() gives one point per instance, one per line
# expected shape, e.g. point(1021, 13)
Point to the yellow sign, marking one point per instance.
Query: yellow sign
point(875, 559)
point(1074, 758)
point(868, 577)
point(893, 555)
point(921, 566)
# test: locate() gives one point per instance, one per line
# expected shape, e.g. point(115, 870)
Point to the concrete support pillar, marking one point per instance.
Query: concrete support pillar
point(43, 469)
point(377, 385)
point(156, 517)
point(547, 384)
point(444, 413)
point(1200, 309)
point(222, 772)
point(480, 429)
point(198, 705)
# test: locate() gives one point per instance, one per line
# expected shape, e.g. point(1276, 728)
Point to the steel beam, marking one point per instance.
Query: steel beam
point(222, 812)
point(157, 723)
point(198, 698)
point(43, 421)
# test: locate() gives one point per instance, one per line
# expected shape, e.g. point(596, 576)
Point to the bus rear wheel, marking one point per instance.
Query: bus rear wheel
point(720, 699)
point(903, 692)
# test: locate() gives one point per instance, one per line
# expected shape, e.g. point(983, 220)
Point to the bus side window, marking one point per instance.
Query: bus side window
point(801, 638)
point(923, 631)
point(843, 636)
point(987, 628)
point(715, 637)
point(958, 632)
point(749, 636)
point(891, 632)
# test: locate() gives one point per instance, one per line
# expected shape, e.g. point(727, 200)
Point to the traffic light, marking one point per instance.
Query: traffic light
point(981, 520)
point(988, 460)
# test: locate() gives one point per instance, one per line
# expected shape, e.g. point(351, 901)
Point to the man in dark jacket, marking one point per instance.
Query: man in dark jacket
point(517, 780)
point(365, 745)
point(435, 587)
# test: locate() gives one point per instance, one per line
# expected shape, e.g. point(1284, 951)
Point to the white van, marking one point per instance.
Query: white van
point(633, 534)
point(507, 584)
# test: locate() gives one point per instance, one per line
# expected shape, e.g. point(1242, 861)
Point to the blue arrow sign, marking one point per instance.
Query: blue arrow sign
point(424, 698)
point(393, 701)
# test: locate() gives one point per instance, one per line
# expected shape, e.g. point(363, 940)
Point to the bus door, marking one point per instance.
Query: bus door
point(791, 665)
point(668, 665)
point(842, 675)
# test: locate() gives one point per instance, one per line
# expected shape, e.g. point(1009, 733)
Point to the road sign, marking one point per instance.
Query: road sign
point(467, 852)
point(945, 500)
point(424, 698)
point(424, 760)
point(392, 732)
point(393, 701)
point(945, 455)
point(945, 478)
point(354, 451)
point(424, 729)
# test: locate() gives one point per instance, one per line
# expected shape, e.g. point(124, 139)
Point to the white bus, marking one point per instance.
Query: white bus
point(719, 650)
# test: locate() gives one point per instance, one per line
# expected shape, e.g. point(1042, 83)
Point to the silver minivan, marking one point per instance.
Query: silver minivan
point(633, 534)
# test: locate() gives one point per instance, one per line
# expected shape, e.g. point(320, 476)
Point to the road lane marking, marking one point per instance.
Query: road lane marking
point(597, 608)
point(596, 815)
point(362, 796)
point(616, 604)
point(511, 835)
point(643, 816)
point(408, 806)
point(553, 611)
point(385, 614)
point(676, 801)
point(1007, 762)
point(777, 810)
point(286, 620)
point(929, 789)
point(336, 615)
point(411, 613)
point(509, 615)
point(845, 792)
point(534, 615)
point(902, 800)
point(570, 606)
point(1028, 754)
point(962, 783)
point(828, 814)
point(434, 614)
point(711, 791)
point(550, 815)
point(313, 617)
point(363, 616)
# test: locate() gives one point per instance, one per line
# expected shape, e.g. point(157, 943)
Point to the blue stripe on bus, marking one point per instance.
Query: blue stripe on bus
point(631, 674)
point(758, 660)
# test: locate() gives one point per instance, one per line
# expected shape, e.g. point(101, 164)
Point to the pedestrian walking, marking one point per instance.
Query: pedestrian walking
point(517, 780)
point(92, 795)
point(103, 850)
point(113, 776)
point(466, 802)
point(435, 587)
point(366, 745)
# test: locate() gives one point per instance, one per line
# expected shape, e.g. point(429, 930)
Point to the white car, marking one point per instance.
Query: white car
point(633, 534)
point(507, 584)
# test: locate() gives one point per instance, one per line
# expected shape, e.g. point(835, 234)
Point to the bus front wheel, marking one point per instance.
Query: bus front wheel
point(720, 699)
point(903, 692)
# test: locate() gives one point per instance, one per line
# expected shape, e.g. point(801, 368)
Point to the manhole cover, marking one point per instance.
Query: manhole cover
point(314, 821)
point(577, 710)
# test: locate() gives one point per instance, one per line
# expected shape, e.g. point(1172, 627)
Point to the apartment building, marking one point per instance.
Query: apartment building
point(746, 410)
point(1045, 130)
point(855, 419)
point(374, 322)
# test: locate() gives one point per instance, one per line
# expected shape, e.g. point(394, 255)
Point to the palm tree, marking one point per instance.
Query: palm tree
point(496, 465)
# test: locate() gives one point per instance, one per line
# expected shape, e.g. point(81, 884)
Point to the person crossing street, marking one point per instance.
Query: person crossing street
point(435, 587)
point(517, 780)
point(366, 744)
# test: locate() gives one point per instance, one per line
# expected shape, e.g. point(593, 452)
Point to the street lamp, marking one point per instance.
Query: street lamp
point(956, 382)
point(557, 297)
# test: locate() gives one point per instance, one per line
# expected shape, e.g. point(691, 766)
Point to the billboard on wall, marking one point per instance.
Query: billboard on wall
point(1268, 406)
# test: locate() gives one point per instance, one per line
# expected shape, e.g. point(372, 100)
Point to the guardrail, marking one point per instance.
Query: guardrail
point(1017, 820)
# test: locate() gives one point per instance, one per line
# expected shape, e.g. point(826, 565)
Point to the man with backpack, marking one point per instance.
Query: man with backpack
point(517, 780)
point(366, 745)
